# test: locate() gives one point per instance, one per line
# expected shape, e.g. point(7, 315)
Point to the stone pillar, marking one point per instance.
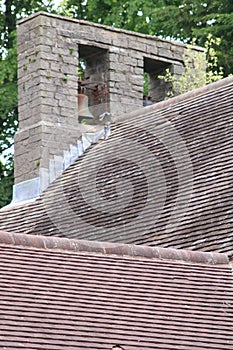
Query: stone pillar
point(125, 80)
point(47, 87)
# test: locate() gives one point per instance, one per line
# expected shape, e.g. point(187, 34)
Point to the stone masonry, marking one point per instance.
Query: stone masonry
point(49, 49)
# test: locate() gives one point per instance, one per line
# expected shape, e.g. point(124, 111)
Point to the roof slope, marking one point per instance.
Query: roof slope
point(65, 294)
point(163, 178)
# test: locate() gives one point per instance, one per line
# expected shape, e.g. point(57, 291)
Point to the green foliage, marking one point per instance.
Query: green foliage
point(145, 84)
point(128, 14)
point(196, 19)
point(214, 72)
point(81, 68)
point(8, 93)
point(6, 181)
point(193, 75)
point(12, 10)
point(8, 119)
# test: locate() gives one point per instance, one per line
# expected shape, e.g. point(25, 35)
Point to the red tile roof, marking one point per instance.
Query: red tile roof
point(176, 161)
point(66, 294)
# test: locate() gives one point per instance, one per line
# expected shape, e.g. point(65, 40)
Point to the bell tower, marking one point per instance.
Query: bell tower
point(56, 126)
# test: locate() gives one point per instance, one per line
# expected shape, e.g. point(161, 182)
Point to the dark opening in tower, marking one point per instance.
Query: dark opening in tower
point(155, 89)
point(93, 75)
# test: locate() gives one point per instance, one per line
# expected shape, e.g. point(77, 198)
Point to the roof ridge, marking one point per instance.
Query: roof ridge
point(106, 248)
point(182, 98)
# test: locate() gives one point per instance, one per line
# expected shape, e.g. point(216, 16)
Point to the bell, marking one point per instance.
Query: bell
point(83, 110)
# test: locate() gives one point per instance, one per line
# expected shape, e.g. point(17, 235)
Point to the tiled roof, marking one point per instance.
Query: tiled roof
point(176, 161)
point(59, 293)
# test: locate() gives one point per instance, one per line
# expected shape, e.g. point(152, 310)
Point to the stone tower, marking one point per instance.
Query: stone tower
point(50, 48)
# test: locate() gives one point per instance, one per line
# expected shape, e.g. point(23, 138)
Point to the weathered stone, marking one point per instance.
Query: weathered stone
point(49, 48)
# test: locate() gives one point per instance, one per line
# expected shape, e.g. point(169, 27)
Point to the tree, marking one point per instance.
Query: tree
point(197, 19)
point(131, 15)
point(193, 78)
point(6, 180)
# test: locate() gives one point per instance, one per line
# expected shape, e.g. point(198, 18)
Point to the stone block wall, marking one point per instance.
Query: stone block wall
point(49, 48)
point(47, 87)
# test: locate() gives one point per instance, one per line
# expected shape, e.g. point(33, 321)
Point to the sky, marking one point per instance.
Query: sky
point(57, 2)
